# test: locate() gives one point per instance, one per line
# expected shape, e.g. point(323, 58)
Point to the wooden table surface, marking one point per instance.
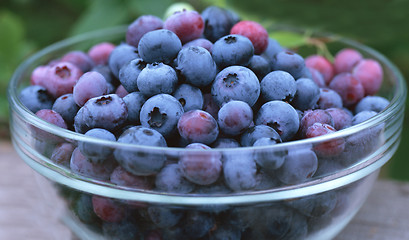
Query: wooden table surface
point(31, 213)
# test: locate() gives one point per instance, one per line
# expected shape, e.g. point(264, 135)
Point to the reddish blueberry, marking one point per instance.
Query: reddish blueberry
point(198, 126)
point(369, 72)
point(348, 87)
point(99, 53)
point(322, 64)
point(140, 26)
point(327, 148)
point(255, 32)
point(187, 24)
point(79, 59)
point(107, 209)
point(346, 59)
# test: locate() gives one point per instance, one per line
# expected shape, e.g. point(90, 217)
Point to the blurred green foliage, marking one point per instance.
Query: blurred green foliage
point(29, 25)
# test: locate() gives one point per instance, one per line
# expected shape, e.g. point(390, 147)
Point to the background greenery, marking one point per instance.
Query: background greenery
point(29, 25)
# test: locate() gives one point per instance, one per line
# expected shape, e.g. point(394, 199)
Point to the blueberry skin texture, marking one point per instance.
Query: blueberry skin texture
point(108, 112)
point(35, 98)
point(97, 153)
point(157, 78)
point(232, 50)
point(236, 83)
point(121, 55)
point(189, 96)
point(161, 112)
point(290, 62)
point(171, 180)
point(371, 103)
point(272, 49)
point(218, 22)
point(140, 26)
point(260, 66)
point(164, 217)
point(299, 166)
point(197, 126)
point(234, 117)
point(307, 95)
point(268, 159)
point(159, 46)
point(197, 66)
point(329, 99)
point(197, 224)
point(66, 107)
point(252, 134)
point(281, 116)
point(363, 116)
point(90, 84)
point(134, 102)
point(128, 74)
point(141, 163)
point(240, 171)
point(278, 85)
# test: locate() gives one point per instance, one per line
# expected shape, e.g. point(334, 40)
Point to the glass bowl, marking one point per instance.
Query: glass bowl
point(318, 207)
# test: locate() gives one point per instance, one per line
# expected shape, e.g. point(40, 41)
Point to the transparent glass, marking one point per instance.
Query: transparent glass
point(315, 208)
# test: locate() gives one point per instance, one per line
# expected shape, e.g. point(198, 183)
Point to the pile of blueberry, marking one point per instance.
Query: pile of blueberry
point(202, 81)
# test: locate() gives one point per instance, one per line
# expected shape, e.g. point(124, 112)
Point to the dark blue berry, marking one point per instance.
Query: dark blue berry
point(157, 78)
point(159, 46)
point(36, 98)
point(128, 74)
point(171, 180)
point(218, 22)
point(189, 96)
point(164, 217)
point(232, 50)
point(161, 112)
point(121, 55)
point(138, 161)
point(66, 107)
point(260, 66)
point(278, 85)
point(239, 171)
point(290, 62)
point(273, 48)
point(307, 95)
point(363, 116)
point(140, 26)
point(196, 65)
point(268, 159)
point(134, 102)
point(236, 83)
point(97, 152)
point(256, 132)
point(329, 99)
point(372, 103)
point(281, 116)
point(299, 166)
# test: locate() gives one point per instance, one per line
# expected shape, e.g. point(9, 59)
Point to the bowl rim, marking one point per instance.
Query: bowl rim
point(396, 104)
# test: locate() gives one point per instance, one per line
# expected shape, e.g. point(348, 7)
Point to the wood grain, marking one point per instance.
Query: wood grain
point(31, 212)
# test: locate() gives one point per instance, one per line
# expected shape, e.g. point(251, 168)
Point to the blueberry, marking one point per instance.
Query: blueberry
point(112, 81)
point(140, 26)
point(321, 64)
point(121, 177)
point(268, 159)
point(121, 55)
point(236, 83)
point(235, 117)
point(108, 112)
point(99, 53)
point(348, 87)
point(314, 116)
point(200, 42)
point(171, 180)
point(186, 24)
point(372, 103)
point(256, 132)
point(35, 98)
point(370, 73)
point(200, 167)
point(95, 152)
point(225, 143)
point(218, 22)
point(79, 164)
point(329, 99)
point(281, 116)
point(254, 31)
point(316, 205)
point(124, 230)
point(137, 161)
point(260, 66)
point(328, 148)
point(164, 217)
point(316, 76)
point(290, 62)
point(134, 102)
point(60, 78)
point(197, 224)
point(83, 209)
point(299, 166)
point(196, 65)
point(239, 171)
point(89, 85)
point(363, 116)
point(79, 59)
point(189, 96)
point(108, 210)
point(61, 155)
point(341, 116)
point(66, 107)
point(128, 74)
point(197, 126)
point(232, 50)
point(159, 46)
point(278, 85)
point(307, 95)
point(161, 112)
point(272, 49)
point(226, 232)
point(346, 59)
point(157, 78)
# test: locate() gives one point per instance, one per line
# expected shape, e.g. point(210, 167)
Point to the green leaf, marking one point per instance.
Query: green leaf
point(101, 14)
point(152, 7)
point(289, 39)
